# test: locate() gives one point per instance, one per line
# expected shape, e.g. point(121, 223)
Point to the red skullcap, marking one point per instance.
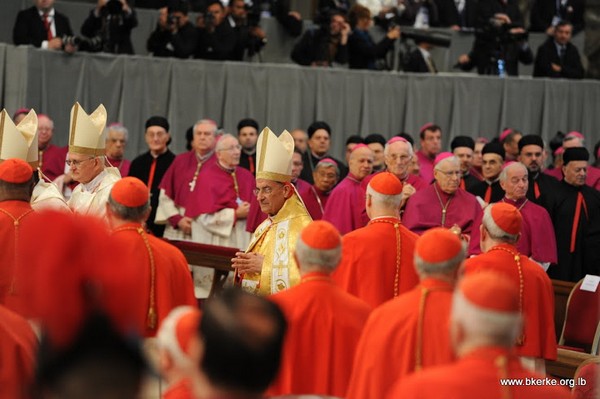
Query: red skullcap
point(15, 171)
point(490, 291)
point(507, 217)
point(559, 151)
point(575, 134)
point(321, 235)
point(426, 126)
point(505, 133)
point(438, 245)
point(396, 139)
point(327, 160)
point(386, 183)
point(130, 192)
point(441, 156)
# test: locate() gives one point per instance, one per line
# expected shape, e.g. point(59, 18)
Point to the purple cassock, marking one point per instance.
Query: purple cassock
point(315, 201)
point(182, 178)
point(218, 189)
point(537, 239)
point(256, 216)
point(345, 207)
point(592, 178)
point(426, 167)
point(431, 207)
point(122, 165)
point(52, 161)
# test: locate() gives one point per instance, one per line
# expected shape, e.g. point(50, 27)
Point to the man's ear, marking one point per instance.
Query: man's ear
point(288, 190)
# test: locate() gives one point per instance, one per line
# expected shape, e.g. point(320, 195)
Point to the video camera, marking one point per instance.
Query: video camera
point(113, 7)
point(497, 31)
point(420, 35)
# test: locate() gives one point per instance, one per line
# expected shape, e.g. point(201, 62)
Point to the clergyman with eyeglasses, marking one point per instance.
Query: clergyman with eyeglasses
point(443, 203)
point(86, 160)
point(268, 265)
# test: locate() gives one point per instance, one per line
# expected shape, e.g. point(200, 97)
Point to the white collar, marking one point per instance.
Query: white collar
point(92, 185)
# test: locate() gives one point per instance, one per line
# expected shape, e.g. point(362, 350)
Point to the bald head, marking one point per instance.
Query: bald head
point(361, 162)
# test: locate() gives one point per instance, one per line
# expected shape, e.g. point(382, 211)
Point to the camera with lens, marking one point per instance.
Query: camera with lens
point(209, 19)
point(501, 32)
point(70, 40)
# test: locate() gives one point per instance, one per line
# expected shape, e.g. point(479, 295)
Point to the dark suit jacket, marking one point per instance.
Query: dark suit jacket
point(29, 27)
point(571, 67)
point(543, 11)
point(448, 14)
point(416, 62)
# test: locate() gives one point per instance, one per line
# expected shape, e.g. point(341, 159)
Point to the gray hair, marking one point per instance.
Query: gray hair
point(387, 201)
point(447, 267)
point(327, 164)
point(494, 230)
point(505, 170)
point(386, 149)
point(219, 146)
point(453, 159)
point(117, 127)
point(311, 259)
point(207, 121)
point(134, 214)
point(501, 328)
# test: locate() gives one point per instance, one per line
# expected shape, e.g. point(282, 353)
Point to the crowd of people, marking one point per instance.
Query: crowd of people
point(230, 30)
point(417, 265)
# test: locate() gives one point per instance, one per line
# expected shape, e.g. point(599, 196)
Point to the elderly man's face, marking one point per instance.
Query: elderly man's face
point(84, 168)
point(516, 183)
point(465, 156)
point(229, 152)
point(156, 138)
point(271, 195)
point(398, 159)
point(115, 144)
point(447, 176)
point(204, 138)
point(319, 142)
point(532, 157)
point(45, 131)
point(361, 163)
point(492, 166)
point(575, 172)
point(325, 178)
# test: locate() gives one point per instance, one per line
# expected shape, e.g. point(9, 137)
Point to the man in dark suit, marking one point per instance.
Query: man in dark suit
point(458, 14)
point(42, 26)
point(558, 57)
point(419, 60)
point(546, 14)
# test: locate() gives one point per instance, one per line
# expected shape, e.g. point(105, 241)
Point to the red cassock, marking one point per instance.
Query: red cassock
point(404, 335)
point(537, 301)
point(372, 267)
point(180, 390)
point(425, 209)
point(325, 324)
point(476, 376)
point(346, 205)
point(52, 161)
point(13, 214)
point(17, 355)
point(537, 233)
point(172, 279)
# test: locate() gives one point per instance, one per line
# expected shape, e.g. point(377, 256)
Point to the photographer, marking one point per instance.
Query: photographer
point(500, 40)
point(326, 44)
point(108, 28)
point(216, 37)
point(363, 53)
point(44, 27)
point(174, 36)
point(244, 19)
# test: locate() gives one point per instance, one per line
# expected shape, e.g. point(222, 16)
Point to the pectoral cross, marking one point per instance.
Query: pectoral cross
point(192, 185)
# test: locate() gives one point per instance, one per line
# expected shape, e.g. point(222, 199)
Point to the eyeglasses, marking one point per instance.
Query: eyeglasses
point(265, 190)
point(232, 148)
point(451, 173)
point(398, 157)
point(74, 163)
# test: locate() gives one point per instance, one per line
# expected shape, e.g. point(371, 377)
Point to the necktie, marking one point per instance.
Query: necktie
point(47, 26)
point(580, 202)
point(431, 65)
point(563, 51)
point(536, 190)
point(251, 162)
point(462, 183)
point(488, 194)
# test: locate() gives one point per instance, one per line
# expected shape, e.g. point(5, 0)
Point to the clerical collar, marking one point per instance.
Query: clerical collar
point(353, 178)
point(225, 169)
point(385, 217)
point(490, 182)
point(519, 204)
point(203, 158)
point(161, 153)
point(316, 156)
point(93, 185)
point(249, 152)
